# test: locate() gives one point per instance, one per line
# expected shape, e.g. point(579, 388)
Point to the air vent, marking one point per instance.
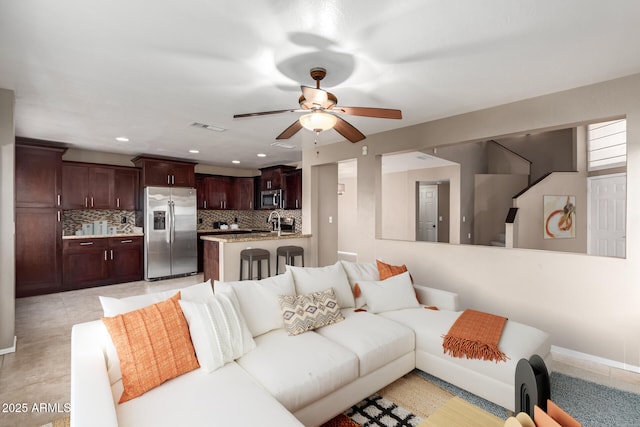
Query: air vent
point(207, 127)
point(283, 145)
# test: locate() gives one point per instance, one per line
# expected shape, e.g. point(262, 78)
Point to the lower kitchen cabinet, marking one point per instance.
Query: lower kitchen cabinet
point(101, 261)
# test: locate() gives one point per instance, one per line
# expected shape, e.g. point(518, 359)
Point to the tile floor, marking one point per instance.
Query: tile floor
point(39, 371)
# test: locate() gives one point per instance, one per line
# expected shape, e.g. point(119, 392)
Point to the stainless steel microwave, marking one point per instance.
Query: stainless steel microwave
point(271, 199)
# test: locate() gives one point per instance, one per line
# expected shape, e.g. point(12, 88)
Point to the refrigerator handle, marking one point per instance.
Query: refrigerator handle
point(172, 224)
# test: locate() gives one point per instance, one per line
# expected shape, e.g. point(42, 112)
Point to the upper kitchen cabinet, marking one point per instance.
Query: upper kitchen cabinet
point(244, 193)
point(86, 186)
point(165, 173)
point(271, 177)
point(126, 182)
point(38, 172)
point(292, 187)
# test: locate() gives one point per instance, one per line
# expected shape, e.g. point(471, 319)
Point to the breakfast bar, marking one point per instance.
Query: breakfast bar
point(222, 252)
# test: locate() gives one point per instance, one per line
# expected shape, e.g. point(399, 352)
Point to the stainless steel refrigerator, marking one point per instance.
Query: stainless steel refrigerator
point(170, 223)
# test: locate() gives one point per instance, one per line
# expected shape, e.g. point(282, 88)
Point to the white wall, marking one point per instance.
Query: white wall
point(588, 304)
point(348, 215)
point(7, 243)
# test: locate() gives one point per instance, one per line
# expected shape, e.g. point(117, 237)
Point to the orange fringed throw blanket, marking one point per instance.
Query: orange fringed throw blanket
point(475, 335)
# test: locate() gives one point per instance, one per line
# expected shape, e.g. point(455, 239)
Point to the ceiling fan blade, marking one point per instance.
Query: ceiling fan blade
point(263, 113)
point(290, 131)
point(381, 113)
point(315, 96)
point(347, 130)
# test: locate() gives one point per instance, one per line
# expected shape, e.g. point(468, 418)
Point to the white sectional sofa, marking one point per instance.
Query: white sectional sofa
point(305, 379)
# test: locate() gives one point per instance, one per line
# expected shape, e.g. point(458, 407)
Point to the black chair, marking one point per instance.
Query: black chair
point(289, 253)
point(257, 255)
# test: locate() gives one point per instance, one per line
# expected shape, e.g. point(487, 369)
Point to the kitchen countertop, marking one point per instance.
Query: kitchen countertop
point(102, 236)
point(250, 237)
point(227, 231)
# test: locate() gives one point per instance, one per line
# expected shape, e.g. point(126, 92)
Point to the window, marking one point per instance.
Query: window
point(607, 145)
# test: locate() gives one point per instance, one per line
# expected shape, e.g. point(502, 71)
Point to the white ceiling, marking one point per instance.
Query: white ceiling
point(86, 72)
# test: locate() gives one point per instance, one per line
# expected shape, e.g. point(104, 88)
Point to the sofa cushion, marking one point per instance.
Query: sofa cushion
point(315, 279)
point(114, 306)
point(298, 370)
point(387, 270)
point(394, 293)
point(357, 271)
point(153, 346)
point(518, 340)
point(302, 313)
point(218, 330)
point(220, 398)
point(258, 300)
point(375, 340)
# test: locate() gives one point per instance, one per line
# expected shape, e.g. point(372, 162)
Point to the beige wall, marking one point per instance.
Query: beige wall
point(7, 224)
point(588, 304)
point(348, 218)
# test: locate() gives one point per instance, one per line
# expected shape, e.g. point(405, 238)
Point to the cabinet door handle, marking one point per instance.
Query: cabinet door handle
point(59, 217)
point(205, 204)
point(125, 241)
point(118, 202)
point(91, 201)
point(86, 243)
point(168, 179)
point(111, 254)
point(86, 202)
point(58, 200)
point(105, 255)
point(173, 179)
point(296, 203)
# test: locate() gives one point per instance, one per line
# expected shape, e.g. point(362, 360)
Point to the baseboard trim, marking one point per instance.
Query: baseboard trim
point(595, 359)
point(9, 349)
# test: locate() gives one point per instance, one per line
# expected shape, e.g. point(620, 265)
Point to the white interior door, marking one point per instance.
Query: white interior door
point(427, 215)
point(607, 215)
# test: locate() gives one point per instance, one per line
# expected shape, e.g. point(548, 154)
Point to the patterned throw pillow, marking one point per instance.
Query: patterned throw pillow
point(153, 344)
point(302, 313)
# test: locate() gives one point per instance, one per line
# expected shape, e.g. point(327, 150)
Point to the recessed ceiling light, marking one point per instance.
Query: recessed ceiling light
point(262, 155)
point(194, 151)
point(235, 162)
point(122, 139)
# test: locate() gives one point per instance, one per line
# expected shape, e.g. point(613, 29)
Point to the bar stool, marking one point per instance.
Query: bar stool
point(289, 253)
point(258, 255)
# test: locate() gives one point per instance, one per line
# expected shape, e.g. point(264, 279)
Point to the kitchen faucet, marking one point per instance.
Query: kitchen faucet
point(270, 219)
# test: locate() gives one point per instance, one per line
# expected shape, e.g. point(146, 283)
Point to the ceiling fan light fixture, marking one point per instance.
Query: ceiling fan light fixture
point(318, 121)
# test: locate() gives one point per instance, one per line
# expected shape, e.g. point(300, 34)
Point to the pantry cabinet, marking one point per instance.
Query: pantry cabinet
point(292, 188)
point(38, 221)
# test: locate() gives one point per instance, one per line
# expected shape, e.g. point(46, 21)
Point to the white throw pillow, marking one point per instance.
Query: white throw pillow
point(394, 293)
point(357, 271)
point(258, 300)
point(316, 279)
point(114, 306)
point(218, 330)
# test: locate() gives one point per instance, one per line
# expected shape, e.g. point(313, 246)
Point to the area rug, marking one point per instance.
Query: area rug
point(406, 402)
point(62, 422)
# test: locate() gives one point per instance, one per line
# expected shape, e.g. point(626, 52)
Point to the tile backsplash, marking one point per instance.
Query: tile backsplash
point(72, 220)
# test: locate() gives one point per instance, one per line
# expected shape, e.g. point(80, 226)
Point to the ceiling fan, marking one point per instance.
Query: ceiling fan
point(323, 113)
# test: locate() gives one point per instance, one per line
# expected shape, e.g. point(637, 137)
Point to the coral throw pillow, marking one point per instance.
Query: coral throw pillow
point(388, 270)
point(153, 345)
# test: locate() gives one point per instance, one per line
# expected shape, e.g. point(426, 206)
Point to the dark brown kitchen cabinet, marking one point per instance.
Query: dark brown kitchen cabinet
point(292, 187)
point(163, 173)
point(38, 173)
point(271, 177)
point(91, 186)
point(38, 222)
point(125, 188)
point(84, 263)
point(87, 187)
point(101, 261)
point(220, 190)
point(125, 259)
point(38, 251)
point(243, 194)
